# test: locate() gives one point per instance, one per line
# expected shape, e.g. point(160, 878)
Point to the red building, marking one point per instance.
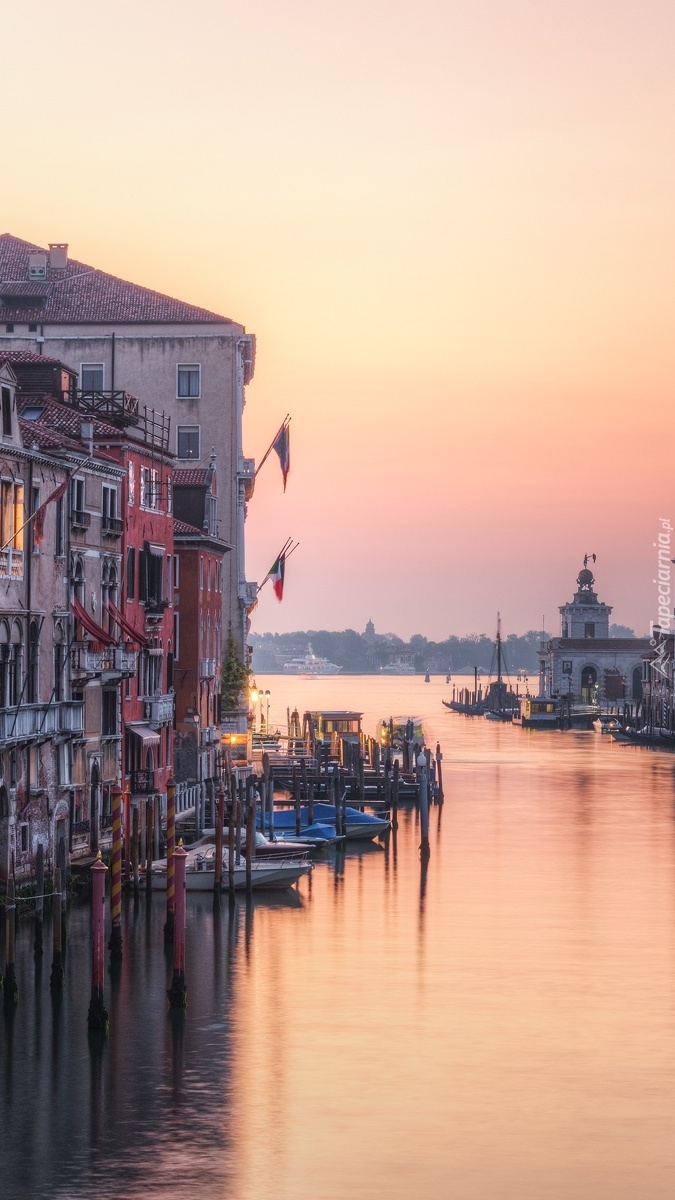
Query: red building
point(198, 639)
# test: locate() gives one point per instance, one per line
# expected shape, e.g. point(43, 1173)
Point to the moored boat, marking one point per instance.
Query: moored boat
point(200, 870)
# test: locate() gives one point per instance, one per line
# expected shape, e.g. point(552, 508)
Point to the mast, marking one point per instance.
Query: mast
point(499, 649)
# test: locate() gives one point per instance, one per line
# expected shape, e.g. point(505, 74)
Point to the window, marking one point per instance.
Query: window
point(188, 441)
point(589, 629)
point(60, 535)
point(150, 574)
point(32, 328)
point(24, 838)
point(149, 487)
point(176, 571)
point(110, 523)
point(34, 506)
point(176, 636)
point(201, 571)
point(131, 487)
point(188, 381)
point(131, 569)
point(212, 514)
point(77, 514)
point(92, 377)
point(6, 412)
point(9, 327)
point(11, 532)
point(109, 726)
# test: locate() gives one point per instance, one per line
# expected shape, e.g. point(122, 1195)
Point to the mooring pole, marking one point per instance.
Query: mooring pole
point(39, 899)
point(170, 865)
point(116, 880)
point(424, 804)
point(56, 977)
point(150, 826)
point(220, 810)
point(127, 839)
point(11, 993)
point(134, 848)
point(97, 1019)
point(230, 840)
point(178, 991)
point(250, 831)
point(439, 772)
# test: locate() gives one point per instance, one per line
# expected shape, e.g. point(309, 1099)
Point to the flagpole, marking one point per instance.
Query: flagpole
point(284, 423)
point(34, 515)
point(286, 553)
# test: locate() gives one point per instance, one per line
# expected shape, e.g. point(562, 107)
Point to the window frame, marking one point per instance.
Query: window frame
point(189, 431)
point(188, 395)
point(92, 366)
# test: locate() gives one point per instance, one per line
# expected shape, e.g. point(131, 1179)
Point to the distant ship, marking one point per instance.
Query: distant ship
point(398, 668)
point(310, 664)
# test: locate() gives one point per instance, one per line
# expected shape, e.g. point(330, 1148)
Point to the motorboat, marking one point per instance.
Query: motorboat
point(310, 664)
point(200, 871)
point(320, 835)
point(358, 824)
point(607, 724)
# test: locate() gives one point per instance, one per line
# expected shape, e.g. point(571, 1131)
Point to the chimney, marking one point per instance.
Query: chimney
point(37, 264)
point(87, 434)
point(58, 256)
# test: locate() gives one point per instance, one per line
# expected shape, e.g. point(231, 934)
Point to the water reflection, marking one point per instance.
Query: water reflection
point(496, 1020)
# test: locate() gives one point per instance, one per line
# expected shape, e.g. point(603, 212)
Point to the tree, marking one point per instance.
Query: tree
point(234, 675)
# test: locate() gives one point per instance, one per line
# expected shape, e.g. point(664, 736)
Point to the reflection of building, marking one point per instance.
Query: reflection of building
point(585, 663)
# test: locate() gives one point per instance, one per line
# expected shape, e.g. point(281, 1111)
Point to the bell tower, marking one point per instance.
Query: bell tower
point(585, 616)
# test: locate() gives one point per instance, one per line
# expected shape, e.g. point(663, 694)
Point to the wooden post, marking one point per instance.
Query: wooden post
point(127, 839)
point(56, 978)
point(335, 787)
point(178, 991)
point(11, 990)
point(230, 844)
point(97, 1019)
point(170, 866)
point(310, 799)
point(115, 943)
point(240, 818)
point(303, 768)
point(149, 839)
point(297, 812)
point(250, 831)
point(39, 899)
point(424, 805)
point(134, 848)
point(219, 814)
point(394, 794)
point(439, 772)
point(143, 822)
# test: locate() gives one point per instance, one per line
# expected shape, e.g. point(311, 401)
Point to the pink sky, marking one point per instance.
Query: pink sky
point(450, 227)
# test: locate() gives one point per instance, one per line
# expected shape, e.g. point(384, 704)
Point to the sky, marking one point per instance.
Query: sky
point(449, 225)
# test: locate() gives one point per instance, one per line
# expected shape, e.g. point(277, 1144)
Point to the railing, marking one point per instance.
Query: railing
point(79, 518)
point(94, 659)
point(106, 822)
point(118, 407)
point(11, 564)
point(187, 797)
point(207, 668)
point(159, 709)
point(126, 660)
point(209, 736)
point(29, 721)
point(112, 526)
point(142, 782)
point(154, 607)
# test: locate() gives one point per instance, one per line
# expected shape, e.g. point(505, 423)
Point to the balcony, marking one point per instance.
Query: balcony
point(142, 782)
point(155, 609)
point(90, 658)
point(79, 519)
point(37, 722)
point(208, 736)
point(112, 526)
point(207, 668)
point(159, 709)
point(248, 594)
point(246, 474)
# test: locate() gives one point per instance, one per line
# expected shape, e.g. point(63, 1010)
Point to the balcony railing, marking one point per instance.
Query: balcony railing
point(209, 736)
point(142, 782)
point(159, 709)
point(247, 475)
point(207, 668)
point(11, 564)
point(155, 607)
point(80, 519)
point(112, 526)
point(94, 659)
point(28, 722)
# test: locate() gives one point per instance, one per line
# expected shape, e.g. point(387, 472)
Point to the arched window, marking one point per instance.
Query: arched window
point(4, 663)
point(15, 681)
point(589, 685)
point(636, 684)
point(33, 662)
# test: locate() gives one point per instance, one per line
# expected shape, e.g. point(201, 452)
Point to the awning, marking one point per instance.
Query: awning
point(90, 625)
point(146, 735)
point(126, 626)
point(155, 549)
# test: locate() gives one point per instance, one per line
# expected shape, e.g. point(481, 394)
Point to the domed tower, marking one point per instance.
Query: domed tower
point(585, 616)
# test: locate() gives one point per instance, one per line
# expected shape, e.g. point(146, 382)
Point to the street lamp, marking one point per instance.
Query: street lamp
point(255, 697)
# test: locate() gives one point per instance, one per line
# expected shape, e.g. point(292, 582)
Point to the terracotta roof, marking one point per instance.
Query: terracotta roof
point(190, 477)
point(81, 294)
point(34, 433)
point(66, 420)
point(26, 356)
point(187, 530)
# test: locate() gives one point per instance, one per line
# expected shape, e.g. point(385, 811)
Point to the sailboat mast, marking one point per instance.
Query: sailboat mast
point(499, 649)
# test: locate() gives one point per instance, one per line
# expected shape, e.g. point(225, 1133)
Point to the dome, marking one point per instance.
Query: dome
point(585, 578)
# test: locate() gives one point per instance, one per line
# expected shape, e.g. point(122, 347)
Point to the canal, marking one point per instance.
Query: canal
point(501, 1025)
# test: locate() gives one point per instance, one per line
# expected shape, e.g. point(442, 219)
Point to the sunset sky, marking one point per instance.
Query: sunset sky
point(450, 226)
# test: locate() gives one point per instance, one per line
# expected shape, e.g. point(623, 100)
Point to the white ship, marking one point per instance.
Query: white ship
point(310, 664)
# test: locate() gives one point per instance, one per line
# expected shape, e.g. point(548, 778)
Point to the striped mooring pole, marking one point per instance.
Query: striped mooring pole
point(115, 942)
point(97, 1019)
point(178, 991)
point(170, 864)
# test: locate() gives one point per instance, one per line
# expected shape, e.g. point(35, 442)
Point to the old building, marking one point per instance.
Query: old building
point(182, 360)
point(585, 665)
point(198, 581)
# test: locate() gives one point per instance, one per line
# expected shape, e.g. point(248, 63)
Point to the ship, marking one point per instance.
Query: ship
point(310, 664)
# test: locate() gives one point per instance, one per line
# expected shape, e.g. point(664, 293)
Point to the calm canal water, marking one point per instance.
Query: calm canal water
point(504, 1027)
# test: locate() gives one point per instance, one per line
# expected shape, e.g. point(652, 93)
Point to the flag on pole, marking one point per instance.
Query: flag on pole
point(282, 445)
point(277, 576)
point(39, 514)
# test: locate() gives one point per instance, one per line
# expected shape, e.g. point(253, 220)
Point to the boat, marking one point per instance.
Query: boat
point(310, 664)
point(662, 738)
point(398, 668)
point(319, 835)
point(607, 724)
point(200, 871)
point(501, 702)
point(358, 824)
point(538, 712)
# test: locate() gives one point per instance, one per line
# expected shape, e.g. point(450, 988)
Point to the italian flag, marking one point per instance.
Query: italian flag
point(277, 576)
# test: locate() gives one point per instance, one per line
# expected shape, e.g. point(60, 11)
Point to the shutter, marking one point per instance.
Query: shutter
point(131, 569)
point(142, 575)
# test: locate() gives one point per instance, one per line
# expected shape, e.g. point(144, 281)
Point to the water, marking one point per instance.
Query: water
point(504, 1027)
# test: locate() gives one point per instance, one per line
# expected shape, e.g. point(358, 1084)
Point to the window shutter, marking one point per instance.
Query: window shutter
point(131, 568)
point(142, 575)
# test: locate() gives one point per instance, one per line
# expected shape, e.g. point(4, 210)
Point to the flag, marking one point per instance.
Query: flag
point(277, 576)
point(282, 446)
point(39, 514)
